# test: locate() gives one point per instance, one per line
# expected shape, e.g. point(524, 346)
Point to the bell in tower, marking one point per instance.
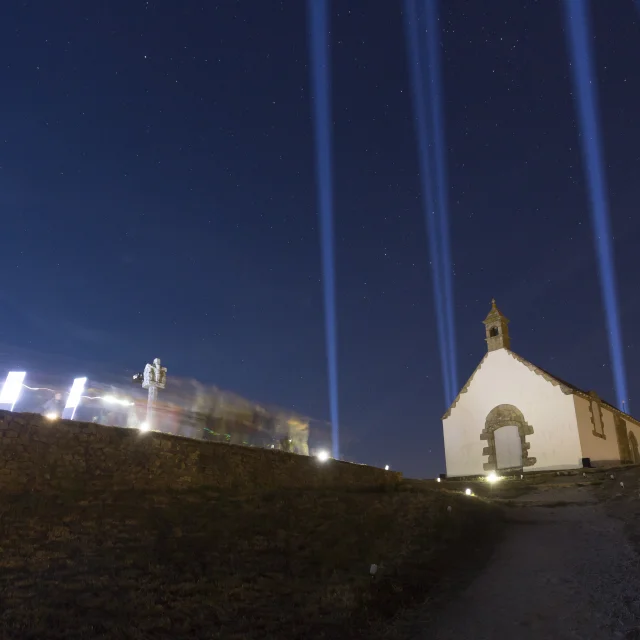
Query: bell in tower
point(497, 331)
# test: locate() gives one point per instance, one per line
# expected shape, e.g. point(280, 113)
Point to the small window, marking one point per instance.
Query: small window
point(493, 332)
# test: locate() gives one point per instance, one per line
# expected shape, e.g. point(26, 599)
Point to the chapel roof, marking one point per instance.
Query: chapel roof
point(494, 314)
point(567, 388)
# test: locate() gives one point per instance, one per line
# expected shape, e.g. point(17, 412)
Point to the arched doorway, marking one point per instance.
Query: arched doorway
point(508, 447)
point(506, 432)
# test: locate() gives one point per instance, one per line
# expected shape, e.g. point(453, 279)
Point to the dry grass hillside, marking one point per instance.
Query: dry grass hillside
point(211, 564)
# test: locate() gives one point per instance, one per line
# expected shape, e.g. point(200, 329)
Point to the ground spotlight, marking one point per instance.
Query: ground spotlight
point(386, 467)
point(144, 426)
point(52, 415)
point(492, 477)
point(323, 455)
point(468, 492)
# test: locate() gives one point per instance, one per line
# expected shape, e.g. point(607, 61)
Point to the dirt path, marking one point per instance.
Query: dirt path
point(562, 572)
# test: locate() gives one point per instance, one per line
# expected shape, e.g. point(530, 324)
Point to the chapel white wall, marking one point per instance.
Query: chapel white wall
point(502, 379)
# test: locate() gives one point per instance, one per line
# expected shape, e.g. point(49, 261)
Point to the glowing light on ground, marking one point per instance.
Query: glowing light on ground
point(144, 426)
point(386, 467)
point(420, 107)
point(468, 492)
point(318, 15)
point(579, 41)
point(51, 416)
point(323, 455)
point(492, 477)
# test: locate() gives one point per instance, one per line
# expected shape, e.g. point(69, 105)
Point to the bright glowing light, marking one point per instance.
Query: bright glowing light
point(114, 400)
point(318, 15)
point(76, 391)
point(74, 398)
point(467, 492)
point(323, 455)
point(386, 467)
point(580, 38)
point(11, 389)
point(438, 480)
point(144, 426)
point(52, 415)
point(492, 477)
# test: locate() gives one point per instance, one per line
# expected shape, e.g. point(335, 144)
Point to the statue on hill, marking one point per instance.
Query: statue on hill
point(154, 378)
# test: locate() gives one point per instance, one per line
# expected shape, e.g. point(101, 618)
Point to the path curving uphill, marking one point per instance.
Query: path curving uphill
point(565, 570)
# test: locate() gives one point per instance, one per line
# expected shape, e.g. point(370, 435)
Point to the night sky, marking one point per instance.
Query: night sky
point(158, 197)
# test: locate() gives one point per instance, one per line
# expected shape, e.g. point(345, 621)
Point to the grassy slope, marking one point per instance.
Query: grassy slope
point(205, 564)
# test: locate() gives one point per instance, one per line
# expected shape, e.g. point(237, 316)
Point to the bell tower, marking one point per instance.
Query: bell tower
point(497, 331)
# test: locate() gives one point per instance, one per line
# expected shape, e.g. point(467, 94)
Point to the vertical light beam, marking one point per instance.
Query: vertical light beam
point(318, 17)
point(584, 80)
point(420, 96)
point(440, 164)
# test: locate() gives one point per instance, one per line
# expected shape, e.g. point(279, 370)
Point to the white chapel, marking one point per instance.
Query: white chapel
point(512, 415)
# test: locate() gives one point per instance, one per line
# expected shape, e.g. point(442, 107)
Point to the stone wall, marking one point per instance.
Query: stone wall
point(41, 455)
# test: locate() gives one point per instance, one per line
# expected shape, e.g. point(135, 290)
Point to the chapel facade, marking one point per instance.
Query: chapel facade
point(513, 416)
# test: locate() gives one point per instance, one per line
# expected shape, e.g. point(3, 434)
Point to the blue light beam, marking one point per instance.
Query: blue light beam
point(318, 19)
point(579, 40)
point(419, 94)
point(440, 160)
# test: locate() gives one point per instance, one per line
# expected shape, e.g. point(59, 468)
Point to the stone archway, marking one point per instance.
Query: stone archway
point(633, 446)
point(505, 415)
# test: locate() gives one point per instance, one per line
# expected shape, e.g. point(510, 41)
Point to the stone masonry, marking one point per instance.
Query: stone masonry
point(51, 456)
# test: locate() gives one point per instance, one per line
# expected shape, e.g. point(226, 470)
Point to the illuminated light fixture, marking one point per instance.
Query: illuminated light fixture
point(492, 477)
point(11, 389)
point(52, 415)
point(144, 426)
point(386, 467)
point(467, 492)
point(323, 455)
point(74, 398)
point(438, 480)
